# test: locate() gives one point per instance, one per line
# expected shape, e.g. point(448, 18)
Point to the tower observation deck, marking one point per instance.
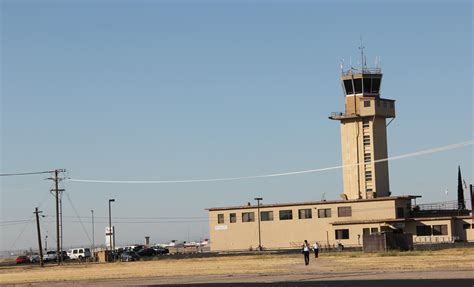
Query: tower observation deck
point(364, 133)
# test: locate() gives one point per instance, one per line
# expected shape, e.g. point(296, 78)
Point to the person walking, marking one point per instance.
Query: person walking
point(305, 251)
point(316, 249)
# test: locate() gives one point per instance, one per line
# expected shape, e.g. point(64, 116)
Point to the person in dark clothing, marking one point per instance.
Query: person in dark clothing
point(305, 251)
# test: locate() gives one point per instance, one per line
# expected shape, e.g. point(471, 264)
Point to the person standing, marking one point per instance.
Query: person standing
point(316, 249)
point(305, 251)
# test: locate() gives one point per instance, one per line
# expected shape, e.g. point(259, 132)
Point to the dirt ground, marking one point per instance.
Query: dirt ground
point(449, 263)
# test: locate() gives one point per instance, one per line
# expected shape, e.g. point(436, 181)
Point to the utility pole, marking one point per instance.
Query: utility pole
point(258, 214)
point(39, 236)
point(472, 201)
point(57, 192)
point(93, 243)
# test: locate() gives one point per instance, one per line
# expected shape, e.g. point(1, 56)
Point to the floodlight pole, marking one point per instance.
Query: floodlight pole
point(110, 224)
point(258, 216)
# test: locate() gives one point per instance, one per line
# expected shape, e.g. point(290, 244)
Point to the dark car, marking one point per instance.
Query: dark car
point(64, 255)
point(129, 256)
point(22, 260)
point(146, 252)
point(161, 250)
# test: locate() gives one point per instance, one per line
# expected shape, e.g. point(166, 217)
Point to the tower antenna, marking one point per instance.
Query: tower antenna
point(361, 48)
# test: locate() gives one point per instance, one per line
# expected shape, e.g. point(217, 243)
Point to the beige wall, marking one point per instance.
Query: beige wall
point(353, 150)
point(410, 227)
point(381, 178)
point(291, 233)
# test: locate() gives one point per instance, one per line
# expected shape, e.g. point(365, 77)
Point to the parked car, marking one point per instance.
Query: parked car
point(50, 256)
point(161, 250)
point(146, 252)
point(22, 259)
point(79, 253)
point(65, 256)
point(34, 258)
point(129, 256)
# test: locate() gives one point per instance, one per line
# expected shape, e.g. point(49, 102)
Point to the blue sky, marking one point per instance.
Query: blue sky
point(132, 90)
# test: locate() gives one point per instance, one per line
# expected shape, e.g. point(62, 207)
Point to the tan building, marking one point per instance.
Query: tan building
point(367, 206)
point(330, 223)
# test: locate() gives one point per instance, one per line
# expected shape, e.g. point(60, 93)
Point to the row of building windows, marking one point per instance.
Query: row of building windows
point(344, 233)
point(306, 213)
point(384, 103)
point(428, 230)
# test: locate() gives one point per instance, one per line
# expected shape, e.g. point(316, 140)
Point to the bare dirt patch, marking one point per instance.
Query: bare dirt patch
point(241, 266)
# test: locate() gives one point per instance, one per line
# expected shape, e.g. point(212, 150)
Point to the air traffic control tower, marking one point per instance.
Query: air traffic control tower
point(364, 133)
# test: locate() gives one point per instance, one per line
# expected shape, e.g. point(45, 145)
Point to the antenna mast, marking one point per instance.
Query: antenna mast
point(362, 61)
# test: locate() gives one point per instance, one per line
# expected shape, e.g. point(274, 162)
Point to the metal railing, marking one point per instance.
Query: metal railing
point(447, 205)
point(364, 70)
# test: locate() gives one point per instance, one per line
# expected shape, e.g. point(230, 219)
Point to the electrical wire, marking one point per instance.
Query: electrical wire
point(418, 153)
point(80, 221)
point(26, 173)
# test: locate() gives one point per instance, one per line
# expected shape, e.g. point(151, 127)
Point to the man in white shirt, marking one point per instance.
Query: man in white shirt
point(316, 249)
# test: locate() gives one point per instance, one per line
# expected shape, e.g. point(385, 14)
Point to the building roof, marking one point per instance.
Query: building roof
point(314, 202)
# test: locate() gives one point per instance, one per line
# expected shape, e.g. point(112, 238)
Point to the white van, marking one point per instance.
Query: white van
point(79, 253)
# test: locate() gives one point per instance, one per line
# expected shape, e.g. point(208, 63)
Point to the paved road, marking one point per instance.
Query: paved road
point(347, 283)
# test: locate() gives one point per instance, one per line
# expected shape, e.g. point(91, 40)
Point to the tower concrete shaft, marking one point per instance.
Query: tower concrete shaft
point(364, 134)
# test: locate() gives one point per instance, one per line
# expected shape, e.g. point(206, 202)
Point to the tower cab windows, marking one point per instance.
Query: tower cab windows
point(366, 85)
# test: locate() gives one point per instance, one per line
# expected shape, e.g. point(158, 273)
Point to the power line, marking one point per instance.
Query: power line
point(413, 154)
point(26, 173)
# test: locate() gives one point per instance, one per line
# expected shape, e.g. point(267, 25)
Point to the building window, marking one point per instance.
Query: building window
point(232, 218)
point(348, 87)
point(286, 214)
point(358, 86)
point(367, 85)
point(365, 123)
point(423, 230)
point(344, 211)
point(305, 213)
point(367, 157)
point(220, 218)
point(366, 104)
point(366, 140)
point(440, 229)
point(266, 216)
point(342, 233)
point(466, 226)
point(368, 175)
point(365, 231)
point(400, 212)
point(248, 216)
point(325, 212)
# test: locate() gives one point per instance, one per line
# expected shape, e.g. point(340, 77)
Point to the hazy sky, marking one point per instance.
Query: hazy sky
point(152, 90)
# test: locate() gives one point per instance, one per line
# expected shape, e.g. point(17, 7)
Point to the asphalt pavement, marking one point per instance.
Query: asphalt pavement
point(345, 283)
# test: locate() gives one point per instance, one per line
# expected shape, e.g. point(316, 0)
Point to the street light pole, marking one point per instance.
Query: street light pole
point(110, 224)
point(93, 243)
point(258, 214)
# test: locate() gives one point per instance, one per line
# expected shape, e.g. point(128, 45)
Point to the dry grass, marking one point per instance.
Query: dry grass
point(234, 265)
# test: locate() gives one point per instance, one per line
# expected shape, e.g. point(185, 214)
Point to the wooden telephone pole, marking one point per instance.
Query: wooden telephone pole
point(39, 236)
point(57, 194)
